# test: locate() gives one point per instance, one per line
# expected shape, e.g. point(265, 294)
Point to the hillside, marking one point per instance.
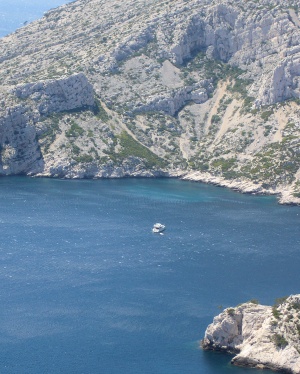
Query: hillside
point(205, 90)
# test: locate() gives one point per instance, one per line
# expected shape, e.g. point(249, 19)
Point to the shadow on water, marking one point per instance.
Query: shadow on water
point(219, 362)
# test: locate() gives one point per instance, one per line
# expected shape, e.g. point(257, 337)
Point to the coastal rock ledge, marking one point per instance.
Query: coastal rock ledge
point(262, 337)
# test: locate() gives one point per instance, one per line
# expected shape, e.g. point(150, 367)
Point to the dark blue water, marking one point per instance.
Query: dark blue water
point(87, 288)
point(14, 13)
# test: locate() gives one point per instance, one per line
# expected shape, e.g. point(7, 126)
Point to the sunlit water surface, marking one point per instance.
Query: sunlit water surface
point(15, 13)
point(86, 287)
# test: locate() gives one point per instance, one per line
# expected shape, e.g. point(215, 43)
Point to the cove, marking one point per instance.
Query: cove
point(86, 287)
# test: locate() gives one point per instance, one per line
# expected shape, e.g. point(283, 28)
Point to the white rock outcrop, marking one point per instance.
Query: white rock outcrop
point(261, 336)
point(20, 149)
point(58, 95)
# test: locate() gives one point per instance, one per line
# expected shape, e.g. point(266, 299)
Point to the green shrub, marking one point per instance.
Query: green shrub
point(266, 114)
point(280, 300)
point(268, 129)
point(224, 164)
point(84, 158)
point(130, 147)
point(276, 312)
point(248, 102)
point(296, 306)
point(74, 131)
point(203, 166)
point(75, 149)
point(254, 301)
point(230, 311)
point(215, 119)
point(99, 111)
point(280, 341)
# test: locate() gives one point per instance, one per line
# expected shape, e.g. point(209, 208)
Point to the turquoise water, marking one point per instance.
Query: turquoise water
point(14, 13)
point(87, 288)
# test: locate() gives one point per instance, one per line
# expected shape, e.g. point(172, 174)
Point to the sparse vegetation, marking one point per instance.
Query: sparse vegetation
point(130, 147)
point(99, 111)
point(231, 312)
point(215, 118)
point(254, 301)
point(296, 192)
point(75, 130)
point(224, 164)
point(280, 300)
point(75, 149)
point(268, 129)
point(279, 341)
point(266, 114)
point(84, 158)
point(276, 312)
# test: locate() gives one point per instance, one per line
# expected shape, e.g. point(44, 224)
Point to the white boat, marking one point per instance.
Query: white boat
point(158, 228)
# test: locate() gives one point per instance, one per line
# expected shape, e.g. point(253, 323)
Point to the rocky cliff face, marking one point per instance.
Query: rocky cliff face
point(261, 336)
point(22, 124)
point(204, 89)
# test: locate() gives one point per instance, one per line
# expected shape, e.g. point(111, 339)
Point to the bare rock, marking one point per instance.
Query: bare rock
point(260, 336)
point(58, 95)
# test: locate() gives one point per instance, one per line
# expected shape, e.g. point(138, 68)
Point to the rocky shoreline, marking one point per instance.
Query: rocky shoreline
point(127, 170)
point(284, 193)
point(262, 337)
point(190, 87)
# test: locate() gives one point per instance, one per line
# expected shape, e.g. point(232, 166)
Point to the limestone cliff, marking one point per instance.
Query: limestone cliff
point(261, 336)
point(202, 89)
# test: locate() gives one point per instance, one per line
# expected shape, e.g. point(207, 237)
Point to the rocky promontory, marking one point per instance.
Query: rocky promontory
point(260, 336)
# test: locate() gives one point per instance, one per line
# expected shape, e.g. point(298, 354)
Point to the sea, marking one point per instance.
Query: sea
point(86, 287)
point(16, 13)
